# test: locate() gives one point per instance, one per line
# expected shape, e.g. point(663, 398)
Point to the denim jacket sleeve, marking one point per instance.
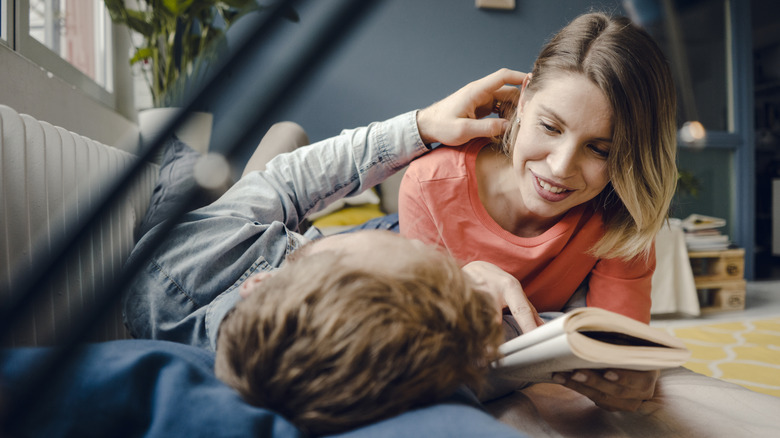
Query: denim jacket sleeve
point(191, 282)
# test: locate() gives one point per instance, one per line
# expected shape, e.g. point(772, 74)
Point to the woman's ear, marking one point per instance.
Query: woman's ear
point(526, 81)
point(521, 100)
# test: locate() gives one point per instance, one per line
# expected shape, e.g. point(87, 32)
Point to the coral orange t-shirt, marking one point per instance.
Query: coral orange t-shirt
point(439, 204)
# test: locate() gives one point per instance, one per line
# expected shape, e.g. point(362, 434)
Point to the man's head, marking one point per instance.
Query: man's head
point(357, 328)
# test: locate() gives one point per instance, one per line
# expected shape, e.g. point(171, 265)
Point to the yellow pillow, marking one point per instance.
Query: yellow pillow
point(349, 216)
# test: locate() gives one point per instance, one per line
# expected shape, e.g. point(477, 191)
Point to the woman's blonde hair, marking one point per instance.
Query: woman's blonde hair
point(625, 63)
point(333, 347)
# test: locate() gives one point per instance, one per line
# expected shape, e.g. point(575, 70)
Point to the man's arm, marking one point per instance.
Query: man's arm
point(192, 280)
point(313, 177)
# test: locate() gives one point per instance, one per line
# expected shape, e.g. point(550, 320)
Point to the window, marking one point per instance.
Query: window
point(69, 38)
point(708, 45)
point(695, 37)
point(3, 17)
point(77, 31)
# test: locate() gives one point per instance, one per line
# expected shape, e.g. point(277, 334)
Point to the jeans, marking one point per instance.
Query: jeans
point(191, 280)
point(388, 222)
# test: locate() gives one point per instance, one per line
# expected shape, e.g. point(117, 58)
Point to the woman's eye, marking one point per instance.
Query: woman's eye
point(549, 128)
point(602, 153)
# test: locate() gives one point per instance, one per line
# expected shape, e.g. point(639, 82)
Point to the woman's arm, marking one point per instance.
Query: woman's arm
point(623, 286)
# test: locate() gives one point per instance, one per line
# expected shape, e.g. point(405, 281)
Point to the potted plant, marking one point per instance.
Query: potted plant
point(175, 40)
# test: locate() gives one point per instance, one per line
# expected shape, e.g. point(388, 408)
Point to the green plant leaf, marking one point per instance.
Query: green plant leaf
point(138, 22)
point(141, 54)
point(688, 183)
point(116, 9)
point(177, 7)
point(240, 4)
point(181, 38)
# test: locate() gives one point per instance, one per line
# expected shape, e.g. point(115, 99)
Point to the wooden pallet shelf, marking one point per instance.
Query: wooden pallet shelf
point(720, 296)
point(728, 264)
point(719, 279)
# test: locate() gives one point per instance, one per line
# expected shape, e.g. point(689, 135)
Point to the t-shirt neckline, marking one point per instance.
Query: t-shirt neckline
point(487, 221)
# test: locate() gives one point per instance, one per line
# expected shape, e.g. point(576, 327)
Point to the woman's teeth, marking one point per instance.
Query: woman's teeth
point(551, 188)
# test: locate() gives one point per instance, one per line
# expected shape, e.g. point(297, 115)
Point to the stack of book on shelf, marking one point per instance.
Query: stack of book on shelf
point(702, 233)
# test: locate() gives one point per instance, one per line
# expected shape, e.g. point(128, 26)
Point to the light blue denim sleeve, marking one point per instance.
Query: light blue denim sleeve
point(191, 282)
point(313, 177)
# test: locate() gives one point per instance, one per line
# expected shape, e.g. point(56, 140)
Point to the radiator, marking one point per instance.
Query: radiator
point(49, 180)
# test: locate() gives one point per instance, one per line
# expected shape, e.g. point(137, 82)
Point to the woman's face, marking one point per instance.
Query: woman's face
point(559, 157)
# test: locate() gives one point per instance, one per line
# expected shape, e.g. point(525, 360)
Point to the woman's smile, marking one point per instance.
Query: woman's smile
point(550, 191)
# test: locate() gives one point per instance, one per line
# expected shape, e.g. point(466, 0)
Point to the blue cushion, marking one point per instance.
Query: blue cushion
point(136, 388)
point(442, 420)
point(159, 388)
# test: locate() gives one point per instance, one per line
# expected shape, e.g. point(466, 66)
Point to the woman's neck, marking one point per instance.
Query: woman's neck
point(501, 197)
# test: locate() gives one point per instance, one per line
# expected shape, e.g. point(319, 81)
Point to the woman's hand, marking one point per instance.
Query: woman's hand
point(612, 389)
point(457, 118)
point(507, 291)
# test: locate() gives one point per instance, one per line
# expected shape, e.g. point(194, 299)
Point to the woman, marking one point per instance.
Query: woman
point(576, 190)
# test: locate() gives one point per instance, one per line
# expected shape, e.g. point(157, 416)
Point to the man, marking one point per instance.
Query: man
point(348, 329)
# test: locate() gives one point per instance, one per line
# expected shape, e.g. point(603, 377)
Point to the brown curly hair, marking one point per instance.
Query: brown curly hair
point(333, 346)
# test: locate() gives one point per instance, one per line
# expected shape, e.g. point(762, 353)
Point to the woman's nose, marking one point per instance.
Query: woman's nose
point(563, 160)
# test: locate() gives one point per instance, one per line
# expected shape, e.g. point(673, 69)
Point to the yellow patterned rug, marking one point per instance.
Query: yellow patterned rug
point(743, 352)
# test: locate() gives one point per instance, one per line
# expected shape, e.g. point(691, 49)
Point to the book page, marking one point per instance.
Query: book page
point(568, 343)
point(537, 362)
point(540, 334)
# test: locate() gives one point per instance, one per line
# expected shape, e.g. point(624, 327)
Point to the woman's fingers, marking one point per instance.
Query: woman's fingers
point(612, 389)
point(507, 291)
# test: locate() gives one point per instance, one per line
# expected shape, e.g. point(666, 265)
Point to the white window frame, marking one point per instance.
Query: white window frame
point(45, 92)
point(37, 52)
point(6, 21)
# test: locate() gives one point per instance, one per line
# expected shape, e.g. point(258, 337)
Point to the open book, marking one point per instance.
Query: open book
point(586, 337)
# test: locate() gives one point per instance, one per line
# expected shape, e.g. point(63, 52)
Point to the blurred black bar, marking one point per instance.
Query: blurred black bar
point(259, 103)
point(32, 283)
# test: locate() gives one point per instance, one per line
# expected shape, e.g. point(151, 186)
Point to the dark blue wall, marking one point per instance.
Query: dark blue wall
point(409, 53)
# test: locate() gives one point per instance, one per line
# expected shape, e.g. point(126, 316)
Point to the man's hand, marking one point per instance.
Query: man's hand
point(250, 284)
point(612, 389)
point(457, 118)
point(507, 291)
